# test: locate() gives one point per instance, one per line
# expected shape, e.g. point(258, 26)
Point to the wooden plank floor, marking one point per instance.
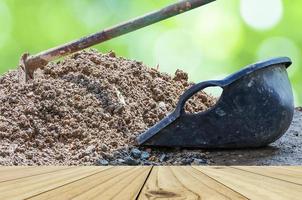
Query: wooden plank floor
point(166, 182)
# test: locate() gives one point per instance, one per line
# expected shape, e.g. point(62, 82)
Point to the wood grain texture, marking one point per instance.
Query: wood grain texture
point(254, 186)
point(160, 182)
point(31, 186)
point(113, 183)
point(125, 185)
point(281, 173)
point(3, 168)
point(21, 172)
point(184, 183)
point(293, 168)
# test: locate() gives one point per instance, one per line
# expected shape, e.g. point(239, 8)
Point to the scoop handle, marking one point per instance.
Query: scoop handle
point(193, 90)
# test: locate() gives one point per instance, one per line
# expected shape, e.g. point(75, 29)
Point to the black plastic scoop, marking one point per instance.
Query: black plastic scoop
point(255, 109)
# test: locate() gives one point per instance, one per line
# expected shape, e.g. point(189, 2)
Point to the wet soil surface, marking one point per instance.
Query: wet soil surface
point(285, 151)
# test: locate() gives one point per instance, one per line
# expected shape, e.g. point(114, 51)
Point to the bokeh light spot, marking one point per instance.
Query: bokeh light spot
point(261, 14)
point(177, 49)
point(92, 13)
point(218, 33)
point(280, 46)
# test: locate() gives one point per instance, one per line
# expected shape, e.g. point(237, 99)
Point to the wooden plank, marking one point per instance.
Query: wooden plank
point(21, 172)
point(184, 183)
point(31, 186)
point(3, 168)
point(163, 182)
point(125, 185)
point(8, 169)
point(292, 168)
point(283, 173)
point(253, 186)
point(79, 187)
point(76, 188)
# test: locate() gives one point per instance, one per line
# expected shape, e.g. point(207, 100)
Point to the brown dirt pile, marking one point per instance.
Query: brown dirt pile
point(83, 107)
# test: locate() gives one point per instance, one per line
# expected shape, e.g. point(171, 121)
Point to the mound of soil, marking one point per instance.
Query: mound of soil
point(85, 109)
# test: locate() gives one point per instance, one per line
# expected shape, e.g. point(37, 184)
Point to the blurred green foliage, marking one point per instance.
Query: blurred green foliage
point(208, 42)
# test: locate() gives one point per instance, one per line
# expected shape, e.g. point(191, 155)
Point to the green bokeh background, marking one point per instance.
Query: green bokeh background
point(208, 42)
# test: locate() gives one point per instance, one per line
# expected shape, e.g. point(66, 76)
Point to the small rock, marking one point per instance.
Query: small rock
point(135, 153)
point(130, 161)
point(30, 94)
point(148, 150)
point(162, 106)
point(180, 75)
point(89, 149)
point(107, 156)
point(147, 163)
point(29, 155)
point(103, 147)
point(120, 161)
point(114, 143)
point(86, 158)
point(3, 153)
point(117, 154)
point(114, 162)
point(145, 155)
point(162, 158)
point(111, 54)
point(103, 162)
point(153, 158)
point(198, 161)
point(59, 157)
point(187, 161)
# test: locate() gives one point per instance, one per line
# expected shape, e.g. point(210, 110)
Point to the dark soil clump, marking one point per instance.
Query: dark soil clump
point(86, 108)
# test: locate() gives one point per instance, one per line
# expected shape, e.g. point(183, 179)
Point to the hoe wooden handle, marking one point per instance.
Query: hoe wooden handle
point(30, 63)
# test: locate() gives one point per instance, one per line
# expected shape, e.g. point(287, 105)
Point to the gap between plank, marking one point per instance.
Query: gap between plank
point(132, 181)
point(219, 182)
point(197, 171)
point(104, 181)
point(68, 183)
point(143, 185)
point(266, 176)
point(55, 170)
